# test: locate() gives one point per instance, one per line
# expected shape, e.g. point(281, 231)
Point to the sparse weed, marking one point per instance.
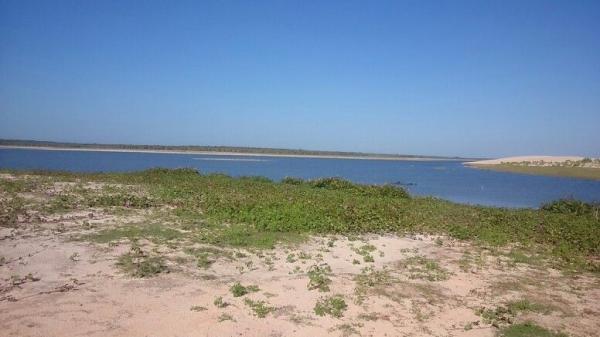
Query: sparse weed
point(238, 290)
point(137, 263)
point(528, 329)
point(423, 268)
point(333, 305)
point(260, 308)
point(319, 277)
point(225, 317)
point(219, 302)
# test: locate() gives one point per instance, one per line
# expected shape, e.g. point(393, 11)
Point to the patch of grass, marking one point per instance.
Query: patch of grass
point(121, 200)
point(370, 280)
point(219, 302)
point(257, 213)
point(497, 317)
point(471, 262)
point(318, 276)
point(238, 290)
point(571, 206)
point(372, 316)
point(334, 306)
point(365, 251)
point(10, 209)
point(260, 308)
point(154, 232)
point(198, 308)
point(525, 305)
point(225, 317)
point(291, 258)
point(21, 185)
point(137, 263)
point(206, 255)
point(528, 329)
point(347, 329)
point(519, 256)
point(424, 268)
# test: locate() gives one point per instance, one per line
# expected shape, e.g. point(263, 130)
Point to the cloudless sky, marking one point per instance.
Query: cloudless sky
point(466, 78)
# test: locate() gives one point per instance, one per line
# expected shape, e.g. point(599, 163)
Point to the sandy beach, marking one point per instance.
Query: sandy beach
point(521, 159)
point(63, 273)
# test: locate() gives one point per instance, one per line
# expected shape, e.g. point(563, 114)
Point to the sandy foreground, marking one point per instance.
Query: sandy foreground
point(520, 159)
point(53, 285)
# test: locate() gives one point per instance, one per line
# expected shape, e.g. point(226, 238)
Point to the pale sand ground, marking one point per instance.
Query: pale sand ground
point(78, 291)
point(520, 159)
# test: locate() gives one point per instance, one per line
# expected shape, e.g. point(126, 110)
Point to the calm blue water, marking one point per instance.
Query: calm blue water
point(444, 179)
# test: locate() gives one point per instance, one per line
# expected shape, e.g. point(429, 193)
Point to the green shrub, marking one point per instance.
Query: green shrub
point(570, 206)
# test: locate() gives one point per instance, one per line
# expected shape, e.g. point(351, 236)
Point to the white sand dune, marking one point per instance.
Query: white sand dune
point(519, 159)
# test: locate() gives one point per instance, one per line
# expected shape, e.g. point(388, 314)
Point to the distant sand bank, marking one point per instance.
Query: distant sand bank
point(215, 153)
point(520, 159)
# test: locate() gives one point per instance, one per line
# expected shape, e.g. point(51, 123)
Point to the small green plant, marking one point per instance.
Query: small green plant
point(198, 308)
point(525, 305)
point(318, 276)
point(424, 268)
point(74, 257)
point(137, 263)
point(219, 302)
point(370, 279)
point(225, 317)
point(333, 305)
point(238, 290)
point(291, 258)
point(365, 251)
point(260, 308)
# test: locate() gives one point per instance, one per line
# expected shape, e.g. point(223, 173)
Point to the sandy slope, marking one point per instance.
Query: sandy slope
point(76, 289)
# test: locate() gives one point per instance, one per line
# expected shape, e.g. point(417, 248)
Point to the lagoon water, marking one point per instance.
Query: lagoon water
point(449, 180)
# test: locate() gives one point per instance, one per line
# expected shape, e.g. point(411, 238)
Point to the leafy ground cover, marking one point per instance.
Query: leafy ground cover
point(257, 212)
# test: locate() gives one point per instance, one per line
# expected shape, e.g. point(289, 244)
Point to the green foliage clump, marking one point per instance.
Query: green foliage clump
point(122, 200)
point(571, 206)
point(152, 232)
point(319, 277)
point(424, 268)
point(137, 263)
point(238, 290)
point(333, 305)
point(257, 213)
point(220, 303)
point(529, 329)
point(10, 209)
point(260, 308)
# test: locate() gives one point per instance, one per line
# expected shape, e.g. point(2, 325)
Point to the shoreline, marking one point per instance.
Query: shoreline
point(586, 173)
point(218, 153)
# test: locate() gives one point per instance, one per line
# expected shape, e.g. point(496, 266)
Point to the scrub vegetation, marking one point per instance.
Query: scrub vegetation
point(255, 212)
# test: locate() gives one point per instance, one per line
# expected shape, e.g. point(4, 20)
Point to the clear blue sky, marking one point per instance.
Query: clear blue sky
point(476, 78)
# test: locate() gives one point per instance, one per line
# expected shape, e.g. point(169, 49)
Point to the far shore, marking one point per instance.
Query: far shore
point(558, 166)
point(218, 153)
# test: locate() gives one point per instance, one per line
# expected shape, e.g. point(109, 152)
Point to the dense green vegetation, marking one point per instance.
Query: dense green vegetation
point(557, 171)
point(254, 211)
